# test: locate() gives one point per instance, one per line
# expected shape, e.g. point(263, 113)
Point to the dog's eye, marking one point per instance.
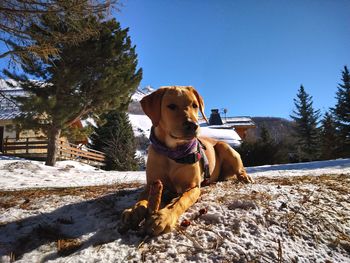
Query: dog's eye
point(172, 106)
point(194, 105)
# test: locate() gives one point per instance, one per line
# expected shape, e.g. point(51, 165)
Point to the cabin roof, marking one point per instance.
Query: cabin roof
point(9, 114)
point(229, 122)
point(8, 108)
point(239, 121)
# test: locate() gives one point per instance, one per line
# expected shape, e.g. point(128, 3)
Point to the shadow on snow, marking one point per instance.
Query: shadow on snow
point(98, 220)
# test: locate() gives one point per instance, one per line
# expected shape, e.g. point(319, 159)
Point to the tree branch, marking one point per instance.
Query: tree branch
point(9, 99)
point(83, 112)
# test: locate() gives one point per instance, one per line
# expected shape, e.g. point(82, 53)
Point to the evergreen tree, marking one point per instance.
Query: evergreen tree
point(267, 148)
point(261, 152)
point(16, 15)
point(341, 113)
point(116, 139)
point(328, 138)
point(85, 80)
point(306, 130)
point(265, 136)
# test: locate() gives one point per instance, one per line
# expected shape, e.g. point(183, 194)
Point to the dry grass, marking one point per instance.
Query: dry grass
point(338, 182)
point(67, 246)
point(305, 207)
point(325, 209)
point(47, 228)
point(317, 209)
point(25, 198)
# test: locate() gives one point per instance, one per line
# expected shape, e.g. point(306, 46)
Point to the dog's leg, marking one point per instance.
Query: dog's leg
point(133, 216)
point(231, 164)
point(165, 219)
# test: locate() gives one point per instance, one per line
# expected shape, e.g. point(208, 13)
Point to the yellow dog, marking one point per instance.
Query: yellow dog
point(179, 157)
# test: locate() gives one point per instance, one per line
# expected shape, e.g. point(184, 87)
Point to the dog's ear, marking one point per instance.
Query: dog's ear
point(151, 105)
point(200, 101)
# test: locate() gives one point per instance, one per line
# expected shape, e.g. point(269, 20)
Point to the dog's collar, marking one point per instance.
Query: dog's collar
point(185, 153)
point(188, 153)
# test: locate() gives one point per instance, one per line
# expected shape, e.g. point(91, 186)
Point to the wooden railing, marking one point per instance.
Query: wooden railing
point(37, 148)
point(26, 145)
point(68, 150)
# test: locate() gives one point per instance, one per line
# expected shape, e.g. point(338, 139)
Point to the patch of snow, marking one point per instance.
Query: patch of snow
point(5, 86)
point(293, 213)
point(141, 92)
point(22, 174)
point(89, 122)
point(299, 169)
point(141, 124)
point(229, 136)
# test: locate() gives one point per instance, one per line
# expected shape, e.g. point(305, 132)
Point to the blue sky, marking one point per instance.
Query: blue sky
point(247, 56)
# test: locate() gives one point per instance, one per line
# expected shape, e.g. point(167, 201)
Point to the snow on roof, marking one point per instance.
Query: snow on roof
point(9, 114)
point(8, 108)
point(5, 86)
point(238, 121)
point(229, 136)
point(230, 122)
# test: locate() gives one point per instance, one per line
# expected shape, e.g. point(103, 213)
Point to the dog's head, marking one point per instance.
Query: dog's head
point(175, 110)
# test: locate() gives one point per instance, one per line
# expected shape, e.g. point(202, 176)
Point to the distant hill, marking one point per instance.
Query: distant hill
point(278, 128)
point(135, 106)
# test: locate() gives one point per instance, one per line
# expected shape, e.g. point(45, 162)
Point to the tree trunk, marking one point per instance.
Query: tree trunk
point(53, 137)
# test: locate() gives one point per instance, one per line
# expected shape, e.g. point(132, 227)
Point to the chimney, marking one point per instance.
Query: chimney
point(215, 118)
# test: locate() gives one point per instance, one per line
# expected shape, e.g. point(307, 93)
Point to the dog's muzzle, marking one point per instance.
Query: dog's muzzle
point(190, 127)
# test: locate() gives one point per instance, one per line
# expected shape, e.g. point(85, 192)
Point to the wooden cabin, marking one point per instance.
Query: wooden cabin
point(33, 145)
point(241, 124)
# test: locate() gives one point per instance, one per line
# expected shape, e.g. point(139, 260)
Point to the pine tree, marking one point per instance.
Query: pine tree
point(265, 136)
point(85, 80)
point(328, 138)
point(341, 113)
point(306, 130)
point(16, 15)
point(116, 139)
point(263, 151)
point(266, 148)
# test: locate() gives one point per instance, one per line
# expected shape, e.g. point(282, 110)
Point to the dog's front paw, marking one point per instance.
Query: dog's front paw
point(132, 217)
point(161, 222)
point(245, 178)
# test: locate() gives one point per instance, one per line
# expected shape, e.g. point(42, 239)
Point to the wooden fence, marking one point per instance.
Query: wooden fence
point(36, 148)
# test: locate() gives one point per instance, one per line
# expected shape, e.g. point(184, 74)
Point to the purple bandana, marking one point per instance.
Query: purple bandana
point(189, 153)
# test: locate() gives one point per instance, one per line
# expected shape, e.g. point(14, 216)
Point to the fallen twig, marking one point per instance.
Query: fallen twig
point(280, 256)
point(145, 240)
point(194, 241)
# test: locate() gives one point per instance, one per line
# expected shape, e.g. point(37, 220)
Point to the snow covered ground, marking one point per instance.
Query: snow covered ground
point(71, 213)
point(23, 174)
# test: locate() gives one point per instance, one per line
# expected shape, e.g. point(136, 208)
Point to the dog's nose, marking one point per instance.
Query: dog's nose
point(190, 126)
